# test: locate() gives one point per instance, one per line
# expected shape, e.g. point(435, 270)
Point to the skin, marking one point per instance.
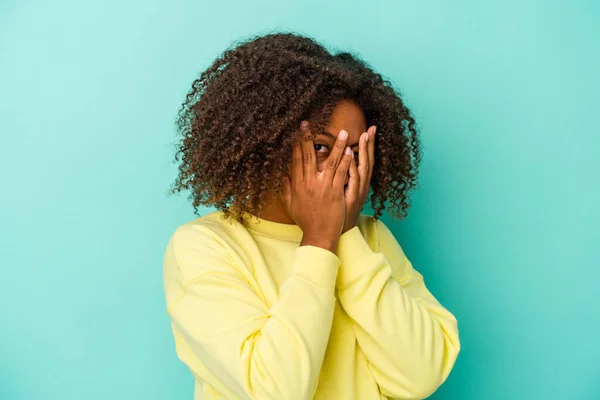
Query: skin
point(347, 116)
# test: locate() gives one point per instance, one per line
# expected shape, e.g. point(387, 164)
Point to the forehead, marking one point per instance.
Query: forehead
point(349, 116)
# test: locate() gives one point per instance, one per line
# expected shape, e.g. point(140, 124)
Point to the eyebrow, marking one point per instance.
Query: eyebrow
point(333, 137)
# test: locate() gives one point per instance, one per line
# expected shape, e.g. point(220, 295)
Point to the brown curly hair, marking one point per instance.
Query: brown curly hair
point(241, 117)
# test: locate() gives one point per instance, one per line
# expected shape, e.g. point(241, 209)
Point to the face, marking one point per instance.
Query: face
point(348, 116)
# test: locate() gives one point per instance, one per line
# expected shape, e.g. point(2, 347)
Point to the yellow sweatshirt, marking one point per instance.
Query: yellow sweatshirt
point(256, 316)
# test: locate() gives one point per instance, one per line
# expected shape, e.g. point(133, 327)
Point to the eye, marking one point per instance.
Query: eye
point(320, 146)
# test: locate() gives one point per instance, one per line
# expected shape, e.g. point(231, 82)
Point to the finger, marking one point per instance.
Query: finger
point(363, 161)
point(339, 178)
point(353, 182)
point(287, 194)
point(335, 156)
point(309, 157)
point(297, 173)
point(371, 148)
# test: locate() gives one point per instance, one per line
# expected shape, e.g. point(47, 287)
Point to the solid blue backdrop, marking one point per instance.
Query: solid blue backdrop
point(504, 225)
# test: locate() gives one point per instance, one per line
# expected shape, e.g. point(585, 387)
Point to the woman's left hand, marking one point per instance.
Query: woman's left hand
point(359, 183)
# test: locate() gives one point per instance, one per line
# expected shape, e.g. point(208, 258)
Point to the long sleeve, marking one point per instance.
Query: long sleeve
point(252, 351)
point(409, 339)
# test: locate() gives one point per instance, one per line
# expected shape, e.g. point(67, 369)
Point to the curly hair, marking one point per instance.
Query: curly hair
point(241, 117)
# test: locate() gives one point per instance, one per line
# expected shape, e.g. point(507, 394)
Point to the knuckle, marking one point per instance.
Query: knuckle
point(331, 162)
point(307, 157)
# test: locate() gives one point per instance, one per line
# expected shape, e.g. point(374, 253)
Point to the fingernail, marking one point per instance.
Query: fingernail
point(375, 130)
point(303, 125)
point(367, 138)
point(348, 150)
point(343, 135)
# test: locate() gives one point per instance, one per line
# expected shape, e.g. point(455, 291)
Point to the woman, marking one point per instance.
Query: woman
point(287, 291)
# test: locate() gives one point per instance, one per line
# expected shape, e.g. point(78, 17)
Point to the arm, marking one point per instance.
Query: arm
point(252, 351)
point(409, 339)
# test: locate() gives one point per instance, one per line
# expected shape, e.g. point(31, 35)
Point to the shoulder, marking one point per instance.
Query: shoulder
point(372, 230)
point(195, 248)
point(210, 227)
point(208, 237)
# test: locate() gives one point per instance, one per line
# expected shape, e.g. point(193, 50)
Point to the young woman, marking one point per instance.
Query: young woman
point(287, 291)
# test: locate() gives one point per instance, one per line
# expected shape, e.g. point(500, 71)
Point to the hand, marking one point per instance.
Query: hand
point(359, 182)
point(313, 199)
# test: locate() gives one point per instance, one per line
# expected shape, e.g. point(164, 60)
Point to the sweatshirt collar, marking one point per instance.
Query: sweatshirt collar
point(278, 230)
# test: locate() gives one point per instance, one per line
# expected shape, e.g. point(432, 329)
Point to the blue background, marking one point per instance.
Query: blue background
point(504, 225)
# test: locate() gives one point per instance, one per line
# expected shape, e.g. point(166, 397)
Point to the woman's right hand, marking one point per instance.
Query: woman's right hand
point(313, 199)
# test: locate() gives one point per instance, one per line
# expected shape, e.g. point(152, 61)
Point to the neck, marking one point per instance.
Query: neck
point(275, 211)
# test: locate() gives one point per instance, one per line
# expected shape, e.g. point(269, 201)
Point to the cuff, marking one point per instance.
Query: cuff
point(317, 265)
point(353, 252)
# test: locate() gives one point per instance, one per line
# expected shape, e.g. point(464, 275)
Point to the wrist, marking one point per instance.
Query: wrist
point(324, 243)
point(349, 225)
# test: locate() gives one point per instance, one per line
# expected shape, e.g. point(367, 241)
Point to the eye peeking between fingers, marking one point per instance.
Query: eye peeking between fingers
point(323, 150)
point(321, 147)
